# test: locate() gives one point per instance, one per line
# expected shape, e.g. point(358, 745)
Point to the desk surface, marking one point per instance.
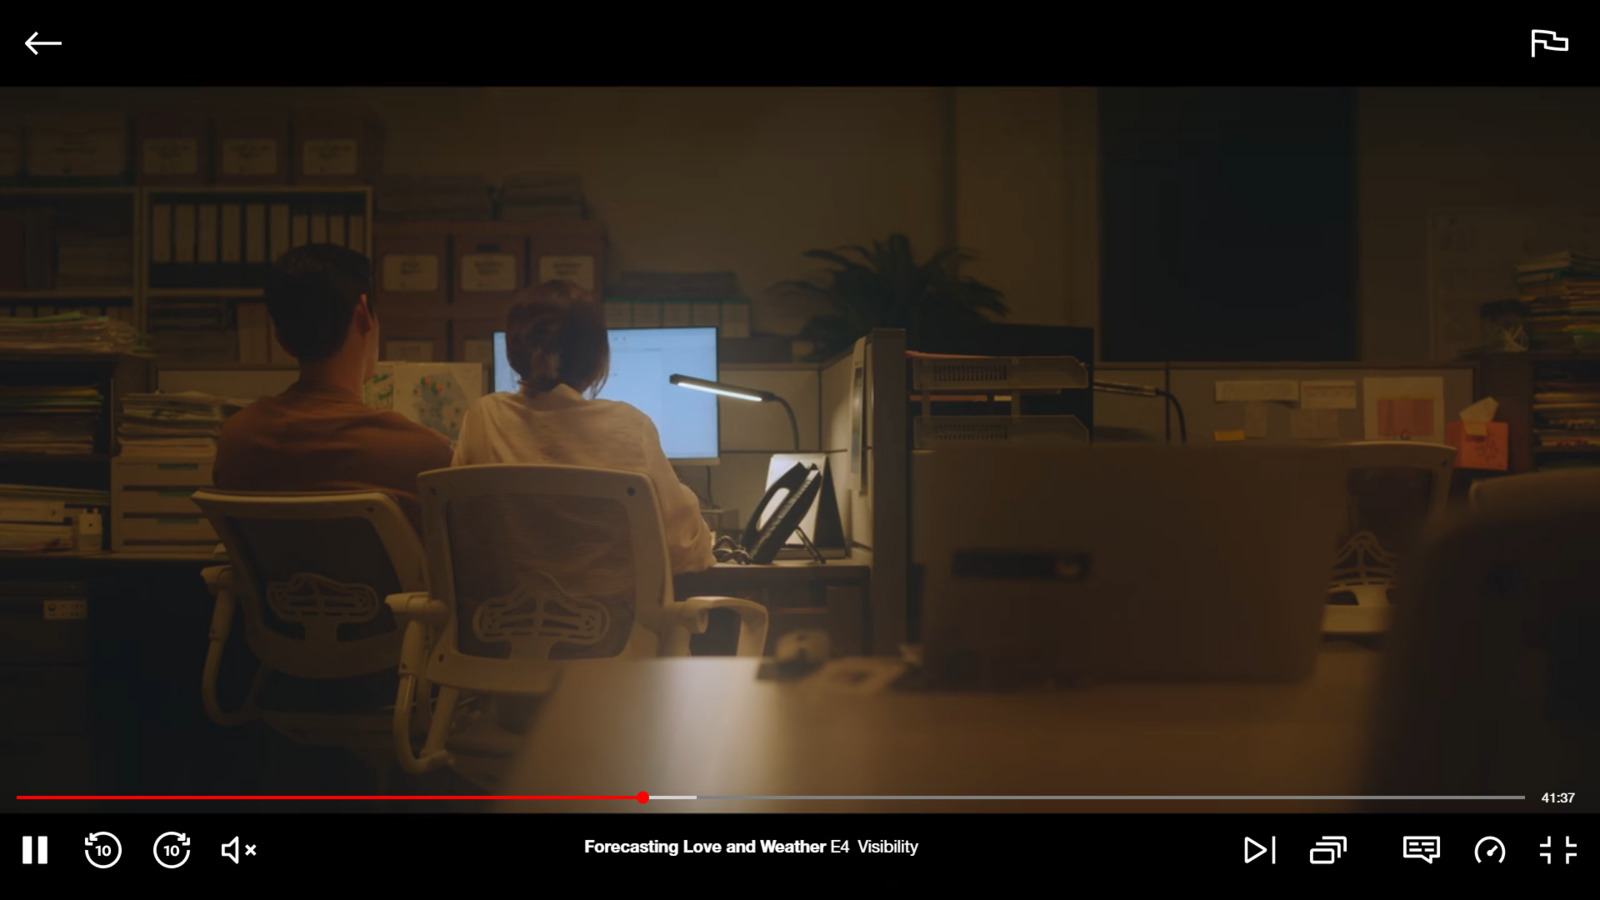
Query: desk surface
point(710, 728)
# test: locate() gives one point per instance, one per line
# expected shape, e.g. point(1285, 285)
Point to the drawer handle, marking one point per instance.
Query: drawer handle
point(178, 467)
point(177, 521)
point(184, 494)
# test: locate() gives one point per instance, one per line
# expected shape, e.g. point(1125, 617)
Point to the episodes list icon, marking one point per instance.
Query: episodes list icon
point(1327, 851)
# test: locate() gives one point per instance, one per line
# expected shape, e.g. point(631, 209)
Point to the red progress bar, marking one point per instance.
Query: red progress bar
point(641, 797)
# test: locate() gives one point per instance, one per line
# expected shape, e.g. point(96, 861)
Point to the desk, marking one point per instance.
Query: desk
point(708, 727)
point(797, 594)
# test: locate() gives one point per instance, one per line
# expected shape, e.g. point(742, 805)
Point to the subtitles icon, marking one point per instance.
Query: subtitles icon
point(1549, 40)
point(1423, 848)
point(1327, 851)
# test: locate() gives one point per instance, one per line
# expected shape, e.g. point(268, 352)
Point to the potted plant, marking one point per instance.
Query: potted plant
point(885, 287)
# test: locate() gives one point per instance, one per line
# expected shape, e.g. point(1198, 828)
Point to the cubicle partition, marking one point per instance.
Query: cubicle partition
point(1313, 401)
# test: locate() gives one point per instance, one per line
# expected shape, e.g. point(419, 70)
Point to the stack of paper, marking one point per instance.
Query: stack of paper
point(38, 519)
point(67, 332)
point(525, 197)
point(1561, 293)
point(183, 425)
point(44, 419)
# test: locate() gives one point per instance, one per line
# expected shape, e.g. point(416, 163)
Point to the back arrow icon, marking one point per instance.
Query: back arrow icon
point(33, 44)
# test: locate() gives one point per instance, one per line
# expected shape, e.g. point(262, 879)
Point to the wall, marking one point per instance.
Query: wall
point(741, 179)
point(1426, 148)
point(746, 179)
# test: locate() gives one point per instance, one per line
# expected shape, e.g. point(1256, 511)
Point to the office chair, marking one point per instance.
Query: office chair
point(1491, 681)
point(1534, 488)
point(1412, 475)
point(310, 572)
point(533, 569)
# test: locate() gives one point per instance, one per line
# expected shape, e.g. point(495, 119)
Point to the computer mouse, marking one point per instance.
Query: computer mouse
point(803, 649)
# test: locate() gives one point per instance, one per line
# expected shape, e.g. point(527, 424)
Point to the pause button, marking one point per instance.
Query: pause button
point(35, 851)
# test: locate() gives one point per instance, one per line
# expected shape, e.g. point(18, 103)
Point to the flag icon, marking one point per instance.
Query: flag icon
point(1549, 40)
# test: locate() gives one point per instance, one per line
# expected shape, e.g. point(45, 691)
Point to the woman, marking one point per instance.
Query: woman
point(556, 342)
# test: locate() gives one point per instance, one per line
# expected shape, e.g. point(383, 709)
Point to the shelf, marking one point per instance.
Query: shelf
point(203, 293)
point(240, 189)
point(223, 366)
point(10, 457)
point(39, 191)
point(71, 294)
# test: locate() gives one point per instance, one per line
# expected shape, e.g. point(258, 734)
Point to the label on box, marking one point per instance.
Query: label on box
point(330, 157)
point(172, 156)
point(409, 351)
point(97, 154)
point(410, 272)
point(577, 269)
point(249, 156)
point(66, 610)
point(489, 272)
point(10, 156)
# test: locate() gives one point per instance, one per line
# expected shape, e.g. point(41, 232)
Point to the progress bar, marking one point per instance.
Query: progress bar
point(918, 797)
point(643, 797)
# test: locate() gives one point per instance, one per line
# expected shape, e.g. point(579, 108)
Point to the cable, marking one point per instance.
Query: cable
point(1140, 390)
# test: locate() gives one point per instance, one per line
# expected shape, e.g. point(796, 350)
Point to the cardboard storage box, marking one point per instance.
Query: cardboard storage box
point(172, 148)
point(414, 338)
point(568, 250)
point(90, 149)
point(251, 148)
point(491, 269)
point(336, 147)
point(411, 267)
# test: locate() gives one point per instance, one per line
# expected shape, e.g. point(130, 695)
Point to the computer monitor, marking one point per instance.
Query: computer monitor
point(642, 361)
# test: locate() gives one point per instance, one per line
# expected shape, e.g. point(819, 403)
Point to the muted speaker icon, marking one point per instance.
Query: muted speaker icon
point(230, 850)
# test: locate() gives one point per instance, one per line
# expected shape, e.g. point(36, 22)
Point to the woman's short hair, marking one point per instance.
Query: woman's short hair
point(556, 335)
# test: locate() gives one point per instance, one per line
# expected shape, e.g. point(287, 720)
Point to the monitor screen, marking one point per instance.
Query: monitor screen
point(642, 361)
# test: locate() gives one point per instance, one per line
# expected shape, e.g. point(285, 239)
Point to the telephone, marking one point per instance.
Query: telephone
point(760, 543)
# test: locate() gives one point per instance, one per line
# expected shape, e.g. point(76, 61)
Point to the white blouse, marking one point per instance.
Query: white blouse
point(564, 428)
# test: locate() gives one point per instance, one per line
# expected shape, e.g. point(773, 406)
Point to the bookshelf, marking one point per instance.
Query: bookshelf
point(69, 249)
point(207, 253)
point(1516, 380)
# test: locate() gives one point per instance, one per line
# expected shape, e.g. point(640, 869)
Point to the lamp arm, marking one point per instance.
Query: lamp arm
point(794, 423)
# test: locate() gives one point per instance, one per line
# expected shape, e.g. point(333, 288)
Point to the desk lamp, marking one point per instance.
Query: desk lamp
point(740, 393)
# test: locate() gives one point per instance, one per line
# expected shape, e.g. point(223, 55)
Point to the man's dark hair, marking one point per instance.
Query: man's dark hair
point(312, 293)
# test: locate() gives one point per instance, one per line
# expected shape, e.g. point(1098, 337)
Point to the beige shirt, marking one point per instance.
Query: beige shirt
point(563, 428)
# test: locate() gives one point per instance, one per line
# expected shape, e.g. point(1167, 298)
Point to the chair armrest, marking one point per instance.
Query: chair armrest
point(216, 578)
point(753, 620)
point(419, 607)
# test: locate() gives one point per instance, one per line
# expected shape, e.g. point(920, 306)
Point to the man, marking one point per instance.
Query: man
point(318, 435)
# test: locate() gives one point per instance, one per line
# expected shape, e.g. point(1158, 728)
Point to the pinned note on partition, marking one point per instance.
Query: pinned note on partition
point(1327, 395)
point(1258, 392)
